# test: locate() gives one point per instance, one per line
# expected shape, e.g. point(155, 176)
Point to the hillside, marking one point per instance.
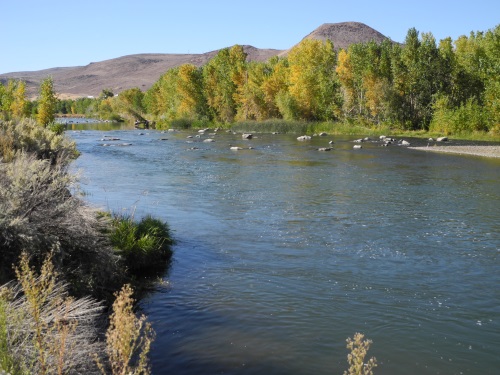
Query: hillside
point(143, 70)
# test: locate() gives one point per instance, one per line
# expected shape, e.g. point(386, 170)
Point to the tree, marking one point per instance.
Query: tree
point(130, 102)
point(189, 87)
point(19, 104)
point(223, 79)
point(47, 102)
point(275, 81)
point(313, 81)
point(7, 98)
point(106, 93)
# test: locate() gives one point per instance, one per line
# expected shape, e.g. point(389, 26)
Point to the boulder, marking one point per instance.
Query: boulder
point(442, 139)
point(247, 136)
point(304, 138)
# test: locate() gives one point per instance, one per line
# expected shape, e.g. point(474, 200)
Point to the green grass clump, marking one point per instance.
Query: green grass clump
point(144, 246)
point(273, 125)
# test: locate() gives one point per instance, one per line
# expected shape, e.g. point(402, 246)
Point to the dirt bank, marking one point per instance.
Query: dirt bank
point(487, 151)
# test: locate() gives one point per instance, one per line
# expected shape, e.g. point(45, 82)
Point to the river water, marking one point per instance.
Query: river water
point(284, 251)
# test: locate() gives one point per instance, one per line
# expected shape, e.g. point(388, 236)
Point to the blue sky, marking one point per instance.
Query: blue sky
point(40, 34)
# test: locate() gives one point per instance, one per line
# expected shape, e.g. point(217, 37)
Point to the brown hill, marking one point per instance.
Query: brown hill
point(144, 69)
point(119, 74)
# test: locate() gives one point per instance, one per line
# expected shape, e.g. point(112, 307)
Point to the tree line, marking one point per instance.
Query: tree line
point(450, 87)
point(447, 87)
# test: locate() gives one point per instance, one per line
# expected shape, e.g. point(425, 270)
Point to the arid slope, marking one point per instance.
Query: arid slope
point(143, 70)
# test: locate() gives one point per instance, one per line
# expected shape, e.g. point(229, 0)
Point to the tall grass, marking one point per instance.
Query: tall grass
point(144, 245)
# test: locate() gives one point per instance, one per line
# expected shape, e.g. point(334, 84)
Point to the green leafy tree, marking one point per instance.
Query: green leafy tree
point(7, 98)
point(106, 93)
point(47, 102)
point(223, 79)
point(131, 102)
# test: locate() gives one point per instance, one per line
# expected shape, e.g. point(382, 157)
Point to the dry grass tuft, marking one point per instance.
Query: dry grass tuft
point(356, 358)
point(46, 331)
point(128, 339)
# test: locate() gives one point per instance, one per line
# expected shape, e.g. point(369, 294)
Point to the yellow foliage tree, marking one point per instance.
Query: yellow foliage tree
point(190, 91)
point(313, 80)
point(19, 103)
point(46, 102)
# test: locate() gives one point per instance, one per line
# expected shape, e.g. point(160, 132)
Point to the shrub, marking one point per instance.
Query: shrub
point(27, 136)
point(145, 245)
point(57, 128)
point(37, 212)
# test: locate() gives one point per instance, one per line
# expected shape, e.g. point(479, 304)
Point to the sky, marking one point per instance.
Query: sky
point(42, 34)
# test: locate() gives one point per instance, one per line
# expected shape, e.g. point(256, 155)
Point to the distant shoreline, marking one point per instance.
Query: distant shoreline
point(486, 151)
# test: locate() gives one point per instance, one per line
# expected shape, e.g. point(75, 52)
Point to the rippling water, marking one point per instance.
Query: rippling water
point(283, 251)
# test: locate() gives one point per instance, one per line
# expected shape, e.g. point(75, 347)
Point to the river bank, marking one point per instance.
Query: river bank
point(486, 151)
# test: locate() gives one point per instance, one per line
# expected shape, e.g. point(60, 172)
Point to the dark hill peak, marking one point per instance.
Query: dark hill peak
point(344, 34)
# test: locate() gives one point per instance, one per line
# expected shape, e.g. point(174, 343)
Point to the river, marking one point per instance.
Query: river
point(284, 251)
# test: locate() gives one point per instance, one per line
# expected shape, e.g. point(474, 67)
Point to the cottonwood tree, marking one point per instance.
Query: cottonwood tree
point(313, 81)
point(19, 105)
point(223, 78)
point(189, 87)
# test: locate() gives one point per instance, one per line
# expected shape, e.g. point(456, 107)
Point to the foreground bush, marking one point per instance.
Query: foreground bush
point(42, 329)
point(145, 246)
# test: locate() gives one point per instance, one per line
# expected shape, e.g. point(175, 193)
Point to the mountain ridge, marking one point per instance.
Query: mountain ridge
point(143, 70)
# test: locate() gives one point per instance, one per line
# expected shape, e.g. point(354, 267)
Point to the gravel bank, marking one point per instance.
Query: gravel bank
point(487, 151)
